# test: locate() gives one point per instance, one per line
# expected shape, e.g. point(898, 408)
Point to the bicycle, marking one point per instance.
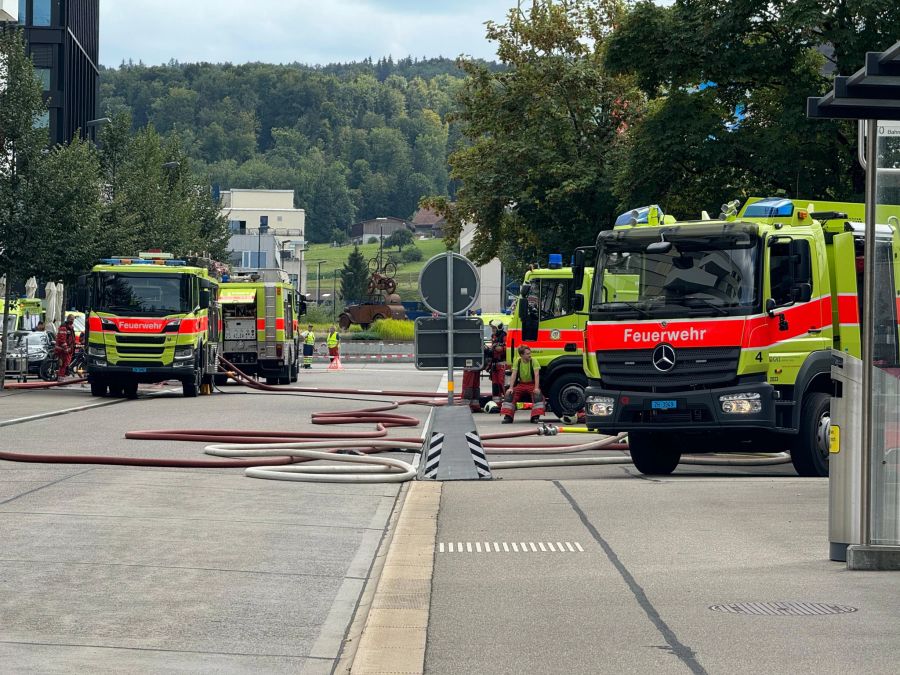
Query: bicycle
point(49, 370)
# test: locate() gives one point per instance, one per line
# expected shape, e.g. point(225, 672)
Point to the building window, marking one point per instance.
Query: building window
point(22, 17)
point(42, 121)
point(250, 260)
point(43, 76)
point(41, 13)
point(237, 226)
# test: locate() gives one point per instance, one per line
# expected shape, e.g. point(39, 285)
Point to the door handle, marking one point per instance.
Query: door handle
point(814, 331)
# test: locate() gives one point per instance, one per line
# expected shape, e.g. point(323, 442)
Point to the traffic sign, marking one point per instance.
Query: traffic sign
point(433, 282)
point(433, 345)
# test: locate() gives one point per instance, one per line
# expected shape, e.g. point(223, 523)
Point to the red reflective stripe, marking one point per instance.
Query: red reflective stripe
point(94, 324)
point(753, 332)
point(848, 309)
point(279, 324)
point(198, 325)
point(260, 324)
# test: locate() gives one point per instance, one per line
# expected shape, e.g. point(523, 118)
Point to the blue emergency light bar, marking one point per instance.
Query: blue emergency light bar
point(555, 261)
point(143, 261)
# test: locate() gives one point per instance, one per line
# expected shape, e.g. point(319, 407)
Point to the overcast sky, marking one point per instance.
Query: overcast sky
point(284, 31)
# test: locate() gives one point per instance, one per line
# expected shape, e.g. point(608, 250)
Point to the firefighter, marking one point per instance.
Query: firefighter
point(497, 368)
point(333, 341)
point(471, 388)
point(309, 346)
point(525, 384)
point(65, 345)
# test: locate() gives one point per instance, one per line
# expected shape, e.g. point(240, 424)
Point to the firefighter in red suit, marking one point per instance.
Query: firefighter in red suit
point(498, 372)
point(525, 385)
point(65, 345)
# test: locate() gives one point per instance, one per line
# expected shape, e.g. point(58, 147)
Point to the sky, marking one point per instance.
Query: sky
point(285, 31)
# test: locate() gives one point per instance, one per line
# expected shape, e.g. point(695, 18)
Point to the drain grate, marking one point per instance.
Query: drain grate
point(783, 608)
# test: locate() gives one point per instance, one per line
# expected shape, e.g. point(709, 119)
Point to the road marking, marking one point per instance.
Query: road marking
point(526, 547)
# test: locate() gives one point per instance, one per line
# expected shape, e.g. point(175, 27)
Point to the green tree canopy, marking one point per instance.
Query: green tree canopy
point(399, 238)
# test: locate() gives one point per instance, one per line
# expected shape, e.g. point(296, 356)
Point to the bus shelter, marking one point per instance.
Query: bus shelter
point(872, 96)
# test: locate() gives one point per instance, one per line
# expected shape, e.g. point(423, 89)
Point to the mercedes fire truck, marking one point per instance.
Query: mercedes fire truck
point(726, 341)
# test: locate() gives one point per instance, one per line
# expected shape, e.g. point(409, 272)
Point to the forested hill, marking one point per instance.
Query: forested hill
point(354, 141)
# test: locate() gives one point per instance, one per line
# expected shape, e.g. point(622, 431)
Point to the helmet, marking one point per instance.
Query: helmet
point(491, 407)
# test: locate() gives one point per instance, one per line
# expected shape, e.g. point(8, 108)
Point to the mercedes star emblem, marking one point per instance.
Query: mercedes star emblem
point(664, 358)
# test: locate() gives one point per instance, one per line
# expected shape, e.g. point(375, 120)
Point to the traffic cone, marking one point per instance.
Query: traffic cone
point(335, 364)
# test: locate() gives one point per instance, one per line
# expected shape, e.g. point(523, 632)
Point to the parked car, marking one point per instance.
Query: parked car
point(36, 344)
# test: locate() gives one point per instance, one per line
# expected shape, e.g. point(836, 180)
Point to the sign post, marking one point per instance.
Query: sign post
point(450, 384)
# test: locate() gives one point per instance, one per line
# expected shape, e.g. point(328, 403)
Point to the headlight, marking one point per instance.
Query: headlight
point(602, 406)
point(184, 353)
point(97, 350)
point(741, 404)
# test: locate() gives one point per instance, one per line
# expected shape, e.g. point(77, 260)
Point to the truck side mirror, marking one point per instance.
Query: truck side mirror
point(801, 292)
point(576, 302)
point(81, 294)
point(205, 294)
point(770, 307)
point(578, 269)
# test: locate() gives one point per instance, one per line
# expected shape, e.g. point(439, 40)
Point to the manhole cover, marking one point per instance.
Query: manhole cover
point(782, 608)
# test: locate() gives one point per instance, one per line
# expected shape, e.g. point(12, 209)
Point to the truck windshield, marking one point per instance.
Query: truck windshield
point(142, 294)
point(697, 276)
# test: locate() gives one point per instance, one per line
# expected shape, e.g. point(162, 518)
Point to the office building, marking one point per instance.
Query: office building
point(63, 38)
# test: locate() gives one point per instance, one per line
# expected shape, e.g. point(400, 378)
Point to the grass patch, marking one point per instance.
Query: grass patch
point(395, 331)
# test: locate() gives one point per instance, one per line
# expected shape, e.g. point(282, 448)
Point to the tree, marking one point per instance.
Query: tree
point(536, 172)
point(339, 236)
point(399, 238)
point(727, 84)
point(49, 207)
point(354, 277)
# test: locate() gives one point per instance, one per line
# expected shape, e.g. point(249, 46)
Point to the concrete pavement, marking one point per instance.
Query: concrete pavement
point(124, 569)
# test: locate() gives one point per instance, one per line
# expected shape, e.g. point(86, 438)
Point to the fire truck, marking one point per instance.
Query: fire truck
point(150, 318)
point(24, 313)
point(260, 309)
point(726, 340)
point(549, 317)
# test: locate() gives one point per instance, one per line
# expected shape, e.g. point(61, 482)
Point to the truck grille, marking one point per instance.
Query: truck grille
point(140, 339)
point(145, 351)
point(703, 367)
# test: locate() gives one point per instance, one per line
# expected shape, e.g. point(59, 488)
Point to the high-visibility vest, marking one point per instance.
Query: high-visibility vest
point(526, 374)
point(332, 340)
point(310, 338)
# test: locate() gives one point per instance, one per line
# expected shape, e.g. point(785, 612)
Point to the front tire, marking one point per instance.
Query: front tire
point(652, 453)
point(191, 388)
point(566, 395)
point(98, 388)
point(809, 453)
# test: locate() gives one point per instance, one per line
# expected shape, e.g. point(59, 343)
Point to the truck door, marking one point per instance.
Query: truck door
point(797, 302)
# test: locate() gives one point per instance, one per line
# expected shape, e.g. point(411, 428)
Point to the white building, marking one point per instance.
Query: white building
point(492, 297)
point(244, 210)
point(9, 10)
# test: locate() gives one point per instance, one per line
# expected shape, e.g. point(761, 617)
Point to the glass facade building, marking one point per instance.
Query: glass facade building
point(63, 38)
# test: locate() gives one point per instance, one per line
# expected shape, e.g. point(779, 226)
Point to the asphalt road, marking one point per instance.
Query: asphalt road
point(124, 569)
point(589, 569)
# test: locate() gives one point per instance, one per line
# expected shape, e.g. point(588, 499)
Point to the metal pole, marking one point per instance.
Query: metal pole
point(319, 282)
point(868, 332)
point(333, 294)
point(450, 388)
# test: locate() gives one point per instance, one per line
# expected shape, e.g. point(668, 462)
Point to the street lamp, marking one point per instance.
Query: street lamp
point(318, 278)
point(263, 229)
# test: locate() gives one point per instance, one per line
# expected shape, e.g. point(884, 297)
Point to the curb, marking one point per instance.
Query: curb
point(393, 639)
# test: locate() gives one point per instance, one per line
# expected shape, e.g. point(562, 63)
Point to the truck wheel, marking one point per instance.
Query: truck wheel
point(131, 390)
point(809, 454)
point(116, 390)
point(377, 317)
point(98, 388)
point(295, 370)
point(285, 376)
point(345, 322)
point(191, 388)
point(652, 453)
point(566, 395)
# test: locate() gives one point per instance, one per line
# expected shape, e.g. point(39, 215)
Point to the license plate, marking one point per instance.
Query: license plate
point(664, 405)
point(138, 370)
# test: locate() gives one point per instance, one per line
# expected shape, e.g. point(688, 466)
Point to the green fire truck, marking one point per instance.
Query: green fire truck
point(725, 342)
point(260, 309)
point(150, 318)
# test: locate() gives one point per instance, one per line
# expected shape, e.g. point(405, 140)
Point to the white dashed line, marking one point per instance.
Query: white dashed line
point(509, 547)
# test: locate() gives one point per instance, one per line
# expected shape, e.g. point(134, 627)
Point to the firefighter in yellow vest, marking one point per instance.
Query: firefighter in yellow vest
point(333, 342)
point(525, 385)
point(309, 346)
